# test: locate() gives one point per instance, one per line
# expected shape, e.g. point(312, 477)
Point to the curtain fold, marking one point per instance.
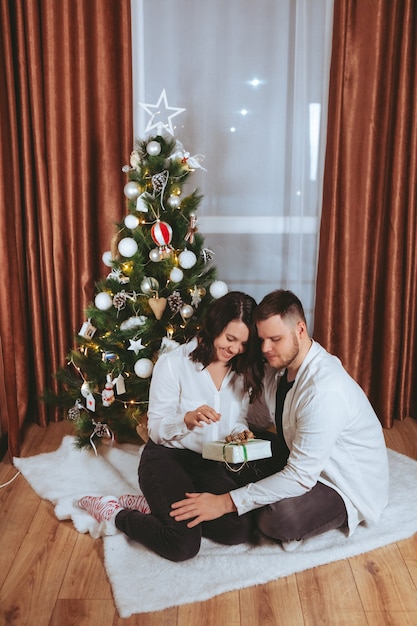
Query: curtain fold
point(366, 297)
point(66, 126)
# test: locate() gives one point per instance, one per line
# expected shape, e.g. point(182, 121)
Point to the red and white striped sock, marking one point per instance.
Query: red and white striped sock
point(102, 508)
point(134, 503)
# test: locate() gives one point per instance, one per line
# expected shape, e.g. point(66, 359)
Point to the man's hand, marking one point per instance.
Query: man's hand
point(202, 507)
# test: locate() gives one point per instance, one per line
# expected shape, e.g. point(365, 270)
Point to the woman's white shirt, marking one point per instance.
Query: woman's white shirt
point(180, 385)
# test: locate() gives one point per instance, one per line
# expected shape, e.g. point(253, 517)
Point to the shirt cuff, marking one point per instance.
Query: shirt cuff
point(242, 501)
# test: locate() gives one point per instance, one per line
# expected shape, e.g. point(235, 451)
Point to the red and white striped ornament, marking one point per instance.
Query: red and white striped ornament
point(161, 233)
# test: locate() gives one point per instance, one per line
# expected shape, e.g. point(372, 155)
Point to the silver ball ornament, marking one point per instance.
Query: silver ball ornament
point(149, 285)
point(186, 311)
point(143, 368)
point(174, 201)
point(155, 255)
point(132, 190)
point(127, 246)
point(153, 148)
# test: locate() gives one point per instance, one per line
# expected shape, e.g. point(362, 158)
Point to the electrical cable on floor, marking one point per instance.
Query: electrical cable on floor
point(10, 481)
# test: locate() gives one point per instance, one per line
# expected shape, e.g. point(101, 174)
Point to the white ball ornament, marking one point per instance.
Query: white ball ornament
point(176, 275)
point(143, 368)
point(132, 190)
point(127, 246)
point(103, 301)
point(131, 221)
point(107, 258)
point(153, 148)
point(218, 289)
point(187, 259)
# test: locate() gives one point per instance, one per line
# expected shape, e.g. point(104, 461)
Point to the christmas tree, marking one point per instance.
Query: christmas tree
point(154, 297)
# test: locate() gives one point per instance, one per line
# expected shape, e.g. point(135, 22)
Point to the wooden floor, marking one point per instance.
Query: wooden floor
point(50, 575)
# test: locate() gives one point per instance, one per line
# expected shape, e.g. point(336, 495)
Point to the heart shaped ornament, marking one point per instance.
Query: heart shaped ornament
point(158, 306)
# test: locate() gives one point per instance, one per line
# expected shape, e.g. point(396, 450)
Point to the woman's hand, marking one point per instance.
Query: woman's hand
point(203, 415)
point(202, 507)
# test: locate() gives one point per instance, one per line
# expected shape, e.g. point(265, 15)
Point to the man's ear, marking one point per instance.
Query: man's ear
point(301, 329)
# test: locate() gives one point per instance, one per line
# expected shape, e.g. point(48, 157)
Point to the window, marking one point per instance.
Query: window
point(252, 76)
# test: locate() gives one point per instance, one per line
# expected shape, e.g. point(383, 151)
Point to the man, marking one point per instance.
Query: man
point(333, 468)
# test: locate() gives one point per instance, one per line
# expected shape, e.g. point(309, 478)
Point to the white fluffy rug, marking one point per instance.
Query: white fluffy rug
point(142, 581)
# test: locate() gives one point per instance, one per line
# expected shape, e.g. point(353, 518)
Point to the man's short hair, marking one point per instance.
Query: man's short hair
point(279, 302)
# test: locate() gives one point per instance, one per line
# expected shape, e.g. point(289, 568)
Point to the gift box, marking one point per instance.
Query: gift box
point(237, 452)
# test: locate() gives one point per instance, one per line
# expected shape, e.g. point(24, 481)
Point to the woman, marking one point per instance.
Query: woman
point(199, 392)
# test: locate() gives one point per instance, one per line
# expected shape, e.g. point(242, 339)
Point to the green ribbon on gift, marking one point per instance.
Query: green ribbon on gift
point(245, 455)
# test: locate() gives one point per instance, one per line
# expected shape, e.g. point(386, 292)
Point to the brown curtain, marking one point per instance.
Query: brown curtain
point(366, 304)
point(66, 131)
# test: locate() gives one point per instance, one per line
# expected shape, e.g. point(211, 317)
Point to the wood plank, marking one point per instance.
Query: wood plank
point(159, 618)
point(384, 581)
point(408, 549)
point(328, 595)
point(83, 613)
point(403, 437)
point(277, 602)
point(85, 575)
point(223, 609)
point(18, 505)
point(392, 618)
point(30, 591)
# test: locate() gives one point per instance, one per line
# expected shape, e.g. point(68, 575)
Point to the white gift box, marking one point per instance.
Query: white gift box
point(237, 452)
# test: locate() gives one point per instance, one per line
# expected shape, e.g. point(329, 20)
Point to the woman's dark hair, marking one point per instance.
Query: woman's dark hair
point(234, 306)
